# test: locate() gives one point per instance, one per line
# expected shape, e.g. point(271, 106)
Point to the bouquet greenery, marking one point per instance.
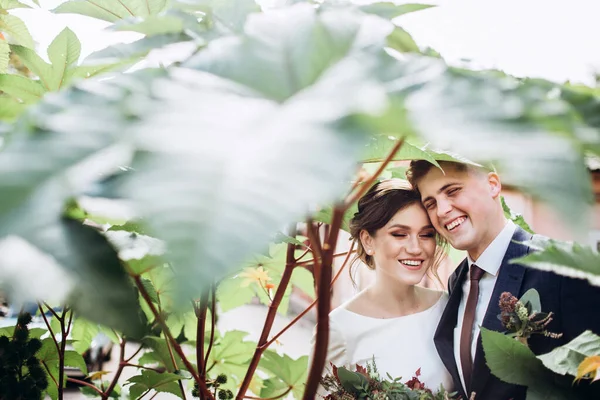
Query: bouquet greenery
point(366, 383)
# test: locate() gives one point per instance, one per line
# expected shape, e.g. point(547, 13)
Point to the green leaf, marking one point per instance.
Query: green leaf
point(532, 297)
point(351, 381)
point(83, 332)
point(380, 146)
point(274, 388)
point(16, 29)
point(490, 118)
point(326, 213)
point(10, 108)
point(514, 217)
point(112, 10)
point(510, 360)
point(283, 238)
point(63, 52)
point(303, 279)
point(151, 25)
point(160, 382)
point(565, 359)
point(230, 355)
point(402, 41)
point(390, 10)
point(74, 359)
point(231, 294)
point(133, 51)
point(4, 56)
point(160, 352)
point(190, 231)
point(568, 259)
point(36, 64)
point(12, 4)
point(228, 16)
point(287, 51)
point(291, 372)
point(22, 88)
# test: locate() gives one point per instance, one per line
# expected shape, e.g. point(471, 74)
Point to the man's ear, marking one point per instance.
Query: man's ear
point(494, 184)
point(366, 240)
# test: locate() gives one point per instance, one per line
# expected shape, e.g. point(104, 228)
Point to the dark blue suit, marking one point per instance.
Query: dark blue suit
point(575, 303)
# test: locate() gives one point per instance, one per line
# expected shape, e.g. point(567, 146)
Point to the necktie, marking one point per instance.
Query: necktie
point(466, 334)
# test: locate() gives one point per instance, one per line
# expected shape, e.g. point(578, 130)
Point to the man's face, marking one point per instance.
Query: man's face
point(462, 206)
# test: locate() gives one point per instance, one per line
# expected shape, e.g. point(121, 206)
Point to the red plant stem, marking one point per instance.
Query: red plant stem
point(61, 353)
point(84, 383)
point(200, 328)
point(213, 322)
point(49, 373)
point(308, 262)
point(135, 354)
point(323, 306)
point(357, 195)
point(303, 254)
point(48, 326)
point(201, 384)
point(290, 263)
point(52, 310)
point(315, 241)
point(307, 309)
point(122, 364)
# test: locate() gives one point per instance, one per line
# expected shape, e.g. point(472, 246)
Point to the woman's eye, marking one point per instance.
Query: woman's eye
point(399, 234)
point(428, 235)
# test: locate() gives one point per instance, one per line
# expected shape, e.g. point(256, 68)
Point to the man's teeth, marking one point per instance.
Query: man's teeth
point(414, 263)
point(455, 223)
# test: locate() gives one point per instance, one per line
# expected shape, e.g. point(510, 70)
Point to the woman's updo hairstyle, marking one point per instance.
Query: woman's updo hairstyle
point(383, 200)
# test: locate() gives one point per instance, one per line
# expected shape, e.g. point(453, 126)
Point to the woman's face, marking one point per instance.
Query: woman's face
point(404, 248)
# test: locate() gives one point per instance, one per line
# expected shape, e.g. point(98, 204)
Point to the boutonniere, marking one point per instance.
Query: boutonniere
point(523, 317)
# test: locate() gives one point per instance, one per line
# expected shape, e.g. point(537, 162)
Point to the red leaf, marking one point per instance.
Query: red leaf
point(362, 370)
point(418, 373)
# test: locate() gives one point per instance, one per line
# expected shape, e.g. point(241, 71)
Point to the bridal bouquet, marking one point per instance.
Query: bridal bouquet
point(366, 383)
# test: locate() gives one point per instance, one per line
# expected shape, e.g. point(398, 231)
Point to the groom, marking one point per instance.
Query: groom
point(463, 203)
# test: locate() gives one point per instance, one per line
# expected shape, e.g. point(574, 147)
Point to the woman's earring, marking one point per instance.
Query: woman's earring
point(369, 252)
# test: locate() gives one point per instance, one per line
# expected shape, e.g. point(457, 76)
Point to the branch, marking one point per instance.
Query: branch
point(122, 364)
point(289, 389)
point(315, 242)
point(363, 189)
point(127, 364)
point(169, 336)
point(48, 326)
point(135, 354)
point(84, 383)
point(200, 328)
point(312, 260)
point(290, 263)
point(307, 309)
point(213, 323)
point(323, 306)
point(61, 353)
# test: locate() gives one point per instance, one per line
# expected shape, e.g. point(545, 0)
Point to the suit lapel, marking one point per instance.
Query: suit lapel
point(444, 335)
point(510, 278)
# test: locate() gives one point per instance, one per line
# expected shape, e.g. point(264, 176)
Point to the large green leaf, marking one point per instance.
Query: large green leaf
point(515, 217)
point(292, 373)
point(513, 362)
point(83, 332)
point(22, 88)
point(112, 10)
point(491, 118)
point(133, 51)
point(12, 4)
point(287, 50)
point(160, 353)
point(63, 52)
point(230, 356)
point(570, 259)
point(10, 108)
point(35, 64)
point(16, 29)
point(379, 147)
point(565, 359)
point(224, 184)
point(227, 16)
point(391, 10)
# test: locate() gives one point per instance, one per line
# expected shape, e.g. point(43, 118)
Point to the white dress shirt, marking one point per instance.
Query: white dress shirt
point(489, 261)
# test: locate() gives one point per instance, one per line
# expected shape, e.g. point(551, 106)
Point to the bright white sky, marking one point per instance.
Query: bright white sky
point(553, 39)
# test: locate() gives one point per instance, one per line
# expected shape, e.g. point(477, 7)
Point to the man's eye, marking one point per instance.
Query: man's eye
point(453, 191)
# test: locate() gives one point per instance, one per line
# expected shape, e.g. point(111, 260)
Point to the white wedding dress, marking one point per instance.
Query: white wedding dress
point(399, 345)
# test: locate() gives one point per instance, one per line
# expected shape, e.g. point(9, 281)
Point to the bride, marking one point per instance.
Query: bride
point(393, 320)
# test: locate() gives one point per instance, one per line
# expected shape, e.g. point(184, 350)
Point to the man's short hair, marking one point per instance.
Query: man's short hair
point(419, 168)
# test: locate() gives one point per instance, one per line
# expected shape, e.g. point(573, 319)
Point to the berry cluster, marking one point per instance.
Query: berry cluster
point(21, 374)
point(222, 394)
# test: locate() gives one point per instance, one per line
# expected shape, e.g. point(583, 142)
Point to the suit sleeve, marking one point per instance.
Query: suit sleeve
point(580, 305)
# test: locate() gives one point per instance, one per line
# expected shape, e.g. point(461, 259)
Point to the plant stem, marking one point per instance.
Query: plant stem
point(200, 328)
point(61, 353)
point(323, 306)
point(135, 354)
point(201, 384)
point(213, 322)
point(290, 263)
point(48, 326)
point(84, 383)
point(307, 309)
point(169, 348)
point(122, 364)
point(315, 242)
point(127, 364)
point(308, 262)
